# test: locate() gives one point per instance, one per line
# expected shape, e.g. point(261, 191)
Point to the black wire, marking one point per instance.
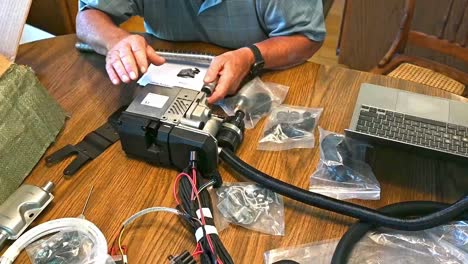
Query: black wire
point(191, 207)
point(357, 231)
point(353, 210)
point(185, 194)
point(217, 243)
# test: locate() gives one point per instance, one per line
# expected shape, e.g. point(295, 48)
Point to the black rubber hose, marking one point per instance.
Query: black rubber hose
point(357, 231)
point(353, 210)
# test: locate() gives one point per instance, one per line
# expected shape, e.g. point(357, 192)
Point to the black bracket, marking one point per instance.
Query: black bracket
point(92, 145)
point(88, 149)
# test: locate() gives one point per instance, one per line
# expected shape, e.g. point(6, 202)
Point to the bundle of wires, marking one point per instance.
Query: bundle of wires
point(139, 214)
point(194, 207)
point(194, 200)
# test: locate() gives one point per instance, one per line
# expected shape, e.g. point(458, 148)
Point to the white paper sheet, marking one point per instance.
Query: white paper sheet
point(166, 75)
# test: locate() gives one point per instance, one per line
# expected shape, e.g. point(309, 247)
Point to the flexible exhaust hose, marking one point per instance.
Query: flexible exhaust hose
point(357, 231)
point(345, 208)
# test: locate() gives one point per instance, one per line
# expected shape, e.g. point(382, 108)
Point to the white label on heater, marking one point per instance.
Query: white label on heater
point(155, 100)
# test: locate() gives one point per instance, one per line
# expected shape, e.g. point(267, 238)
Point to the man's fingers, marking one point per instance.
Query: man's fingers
point(139, 51)
point(213, 71)
point(128, 60)
point(112, 75)
point(115, 62)
point(153, 57)
point(216, 96)
point(222, 89)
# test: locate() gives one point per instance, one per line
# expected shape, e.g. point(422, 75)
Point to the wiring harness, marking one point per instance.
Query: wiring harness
point(194, 199)
point(195, 209)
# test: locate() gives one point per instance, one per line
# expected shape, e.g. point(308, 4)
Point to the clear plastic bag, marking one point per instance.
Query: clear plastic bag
point(71, 247)
point(290, 127)
point(316, 253)
point(447, 244)
point(342, 172)
point(252, 206)
point(220, 222)
point(256, 99)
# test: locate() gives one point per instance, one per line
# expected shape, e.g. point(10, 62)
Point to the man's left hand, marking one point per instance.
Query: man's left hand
point(231, 68)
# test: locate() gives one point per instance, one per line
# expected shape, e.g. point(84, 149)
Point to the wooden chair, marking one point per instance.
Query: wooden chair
point(13, 14)
point(397, 64)
point(327, 4)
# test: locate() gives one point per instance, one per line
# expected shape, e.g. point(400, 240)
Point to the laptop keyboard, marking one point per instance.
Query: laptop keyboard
point(413, 130)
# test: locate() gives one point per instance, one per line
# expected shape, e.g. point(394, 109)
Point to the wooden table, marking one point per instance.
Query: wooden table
point(123, 186)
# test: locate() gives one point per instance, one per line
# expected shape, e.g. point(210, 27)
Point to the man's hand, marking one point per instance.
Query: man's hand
point(231, 67)
point(129, 56)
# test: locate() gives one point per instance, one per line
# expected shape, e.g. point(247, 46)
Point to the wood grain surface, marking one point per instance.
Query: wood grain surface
point(123, 186)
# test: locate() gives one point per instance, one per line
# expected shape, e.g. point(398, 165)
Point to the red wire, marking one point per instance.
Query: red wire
point(174, 190)
point(197, 250)
point(194, 191)
point(194, 176)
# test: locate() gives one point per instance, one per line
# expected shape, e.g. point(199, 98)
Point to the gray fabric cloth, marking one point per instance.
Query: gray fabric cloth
point(30, 119)
point(228, 23)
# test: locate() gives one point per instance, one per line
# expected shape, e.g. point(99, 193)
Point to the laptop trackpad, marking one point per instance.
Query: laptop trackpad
point(423, 106)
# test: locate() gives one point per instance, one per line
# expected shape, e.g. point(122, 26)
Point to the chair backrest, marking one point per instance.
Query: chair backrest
point(13, 14)
point(451, 40)
point(452, 37)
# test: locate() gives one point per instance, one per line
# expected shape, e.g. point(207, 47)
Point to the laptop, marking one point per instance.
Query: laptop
point(384, 115)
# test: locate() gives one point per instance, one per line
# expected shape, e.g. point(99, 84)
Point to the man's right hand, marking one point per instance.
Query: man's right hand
point(128, 57)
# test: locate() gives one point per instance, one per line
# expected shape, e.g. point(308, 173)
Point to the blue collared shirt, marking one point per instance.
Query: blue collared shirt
point(227, 23)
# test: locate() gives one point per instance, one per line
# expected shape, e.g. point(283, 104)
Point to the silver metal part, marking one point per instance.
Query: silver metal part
point(199, 110)
point(21, 208)
point(3, 237)
point(191, 123)
point(49, 187)
point(212, 125)
point(87, 200)
point(183, 101)
point(168, 55)
point(186, 57)
point(208, 88)
point(243, 104)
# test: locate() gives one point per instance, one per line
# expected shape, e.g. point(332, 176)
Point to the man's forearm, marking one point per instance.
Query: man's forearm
point(287, 51)
point(97, 29)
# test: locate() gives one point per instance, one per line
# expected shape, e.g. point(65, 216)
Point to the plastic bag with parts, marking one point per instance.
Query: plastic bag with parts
point(67, 247)
point(446, 244)
point(290, 127)
point(256, 99)
point(252, 206)
point(342, 172)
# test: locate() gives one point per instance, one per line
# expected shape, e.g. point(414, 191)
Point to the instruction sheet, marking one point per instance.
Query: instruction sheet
point(175, 74)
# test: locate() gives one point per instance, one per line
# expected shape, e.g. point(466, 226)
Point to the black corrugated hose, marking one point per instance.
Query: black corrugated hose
point(357, 231)
point(433, 219)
